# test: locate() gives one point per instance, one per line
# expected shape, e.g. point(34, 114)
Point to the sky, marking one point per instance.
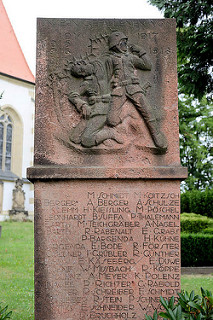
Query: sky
point(23, 14)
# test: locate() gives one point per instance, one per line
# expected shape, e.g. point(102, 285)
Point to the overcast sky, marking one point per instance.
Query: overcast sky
point(23, 14)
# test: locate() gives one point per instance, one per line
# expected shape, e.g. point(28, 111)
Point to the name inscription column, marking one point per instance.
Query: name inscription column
point(111, 253)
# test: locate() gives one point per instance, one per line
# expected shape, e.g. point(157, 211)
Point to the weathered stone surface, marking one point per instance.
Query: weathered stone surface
point(18, 211)
point(62, 46)
point(107, 168)
point(105, 249)
point(67, 172)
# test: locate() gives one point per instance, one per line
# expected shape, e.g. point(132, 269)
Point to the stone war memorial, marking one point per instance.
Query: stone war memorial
point(106, 169)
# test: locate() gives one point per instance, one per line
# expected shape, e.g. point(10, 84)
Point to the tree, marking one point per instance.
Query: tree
point(194, 43)
point(196, 140)
point(195, 81)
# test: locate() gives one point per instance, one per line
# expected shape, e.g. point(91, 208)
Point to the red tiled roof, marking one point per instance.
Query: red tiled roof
point(12, 60)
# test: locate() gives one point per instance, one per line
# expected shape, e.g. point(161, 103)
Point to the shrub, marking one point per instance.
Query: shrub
point(199, 202)
point(188, 307)
point(3, 312)
point(196, 249)
point(185, 202)
point(194, 223)
point(208, 230)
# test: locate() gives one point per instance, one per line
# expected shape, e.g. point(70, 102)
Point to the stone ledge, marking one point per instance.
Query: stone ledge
point(67, 172)
point(196, 270)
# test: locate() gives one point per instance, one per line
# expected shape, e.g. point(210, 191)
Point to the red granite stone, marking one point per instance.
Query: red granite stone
point(105, 249)
point(59, 42)
point(107, 168)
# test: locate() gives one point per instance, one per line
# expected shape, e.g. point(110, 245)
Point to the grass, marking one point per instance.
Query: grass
point(194, 282)
point(16, 271)
point(16, 268)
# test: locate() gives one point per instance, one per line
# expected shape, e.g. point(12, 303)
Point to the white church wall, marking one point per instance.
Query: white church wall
point(19, 96)
point(7, 198)
point(29, 199)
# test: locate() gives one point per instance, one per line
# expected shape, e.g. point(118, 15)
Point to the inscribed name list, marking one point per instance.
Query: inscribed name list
point(109, 249)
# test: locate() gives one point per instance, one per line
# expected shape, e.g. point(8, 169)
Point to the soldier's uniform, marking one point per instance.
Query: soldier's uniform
point(90, 130)
point(125, 85)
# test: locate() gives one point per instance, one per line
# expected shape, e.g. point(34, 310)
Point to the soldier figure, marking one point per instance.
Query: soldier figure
point(122, 63)
point(93, 104)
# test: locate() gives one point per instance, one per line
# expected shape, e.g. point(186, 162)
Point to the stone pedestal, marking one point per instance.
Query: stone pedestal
point(18, 212)
point(107, 170)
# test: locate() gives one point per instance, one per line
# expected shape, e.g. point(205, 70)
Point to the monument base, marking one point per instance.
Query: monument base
point(18, 215)
point(105, 248)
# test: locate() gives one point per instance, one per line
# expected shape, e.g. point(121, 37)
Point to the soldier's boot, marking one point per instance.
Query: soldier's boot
point(108, 133)
point(157, 136)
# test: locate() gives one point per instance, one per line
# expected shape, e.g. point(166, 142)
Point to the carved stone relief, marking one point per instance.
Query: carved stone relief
point(111, 97)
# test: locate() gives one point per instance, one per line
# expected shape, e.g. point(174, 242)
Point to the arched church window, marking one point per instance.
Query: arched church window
point(6, 130)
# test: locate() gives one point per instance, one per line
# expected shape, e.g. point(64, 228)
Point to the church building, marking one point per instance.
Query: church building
point(17, 107)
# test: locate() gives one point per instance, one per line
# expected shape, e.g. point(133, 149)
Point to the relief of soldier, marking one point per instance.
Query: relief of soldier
point(107, 83)
point(93, 103)
point(121, 65)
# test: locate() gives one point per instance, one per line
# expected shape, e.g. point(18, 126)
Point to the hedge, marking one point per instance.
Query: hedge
point(194, 223)
point(208, 230)
point(199, 202)
point(196, 250)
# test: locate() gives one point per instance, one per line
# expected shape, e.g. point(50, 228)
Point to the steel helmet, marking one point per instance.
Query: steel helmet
point(115, 38)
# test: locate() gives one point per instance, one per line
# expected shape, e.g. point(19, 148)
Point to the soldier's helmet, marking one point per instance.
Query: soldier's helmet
point(115, 38)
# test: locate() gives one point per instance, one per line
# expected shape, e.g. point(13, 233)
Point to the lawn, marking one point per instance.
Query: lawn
point(195, 282)
point(16, 270)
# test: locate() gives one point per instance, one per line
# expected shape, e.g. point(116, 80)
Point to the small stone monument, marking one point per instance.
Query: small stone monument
point(106, 168)
point(18, 211)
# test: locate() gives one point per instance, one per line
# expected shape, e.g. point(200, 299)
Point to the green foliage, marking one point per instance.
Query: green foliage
point(194, 223)
point(208, 230)
point(188, 307)
point(195, 79)
point(194, 42)
point(196, 249)
point(197, 201)
point(196, 139)
point(195, 306)
point(172, 311)
point(3, 312)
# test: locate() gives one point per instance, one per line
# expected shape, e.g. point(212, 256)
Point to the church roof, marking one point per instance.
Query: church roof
point(12, 60)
